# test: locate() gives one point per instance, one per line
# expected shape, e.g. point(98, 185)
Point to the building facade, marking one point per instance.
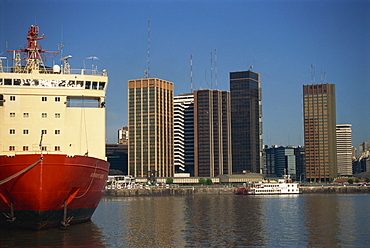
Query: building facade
point(150, 116)
point(246, 124)
point(212, 133)
point(320, 132)
point(123, 136)
point(184, 133)
point(280, 161)
point(344, 149)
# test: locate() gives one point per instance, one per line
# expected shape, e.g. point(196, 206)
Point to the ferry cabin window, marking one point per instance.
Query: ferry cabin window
point(57, 99)
point(44, 131)
point(17, 82)
point(7, 81)
point(57, 148)
point(57, 115)
point(12, 131)
point(26, 115)
point(12, 114)
point(11, 148)
point(25, 148)
point(80, 83)
point(25, 131)
point(44, 115)
point(1, 100)
point(43, 148)
point(57, 131)
point(12, 98)
point(44, 98)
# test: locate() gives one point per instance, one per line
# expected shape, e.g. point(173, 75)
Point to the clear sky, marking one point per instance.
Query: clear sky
point(280, 39)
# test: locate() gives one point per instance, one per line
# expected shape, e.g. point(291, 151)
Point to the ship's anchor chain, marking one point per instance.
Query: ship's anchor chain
point(20, 172)
point(66, 220)
point(10, 217)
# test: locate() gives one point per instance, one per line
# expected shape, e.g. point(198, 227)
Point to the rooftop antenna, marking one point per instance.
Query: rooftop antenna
point(216, 69)
point(313, 76)
point(191, 73)
point(147, 74)
point(211, 70)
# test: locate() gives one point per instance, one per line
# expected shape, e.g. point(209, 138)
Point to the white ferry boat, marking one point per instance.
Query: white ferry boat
point(282, 186)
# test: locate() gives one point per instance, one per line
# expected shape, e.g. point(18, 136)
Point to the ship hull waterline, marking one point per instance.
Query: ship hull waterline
point(39, 191)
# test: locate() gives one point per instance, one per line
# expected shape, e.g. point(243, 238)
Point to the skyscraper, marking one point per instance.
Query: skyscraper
point(212, 133)
point(246, 123)
point(184, 133)
point(319, 132)
point(344, 149)
point(150, 102)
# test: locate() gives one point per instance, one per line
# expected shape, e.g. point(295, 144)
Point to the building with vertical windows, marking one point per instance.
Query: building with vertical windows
point(184, 133)
point(280, 161)
point(246, 123)
point(212, 133)
point(344, 149)
point(150, 116)
point(320, 132)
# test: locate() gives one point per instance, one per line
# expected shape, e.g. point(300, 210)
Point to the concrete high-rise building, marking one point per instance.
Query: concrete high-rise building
point(344, 149)
point(246, 124)
point(123, 136)
point(212, 133)
point(184, 133)
point(320, 132)
point(150, 116)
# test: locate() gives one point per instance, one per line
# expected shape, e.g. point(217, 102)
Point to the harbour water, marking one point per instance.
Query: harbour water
point(306, 220)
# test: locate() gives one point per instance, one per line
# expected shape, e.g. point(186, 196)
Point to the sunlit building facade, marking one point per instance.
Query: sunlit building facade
point(320, 132)
point(184, 133)
point(150, 116)
point(344, 149)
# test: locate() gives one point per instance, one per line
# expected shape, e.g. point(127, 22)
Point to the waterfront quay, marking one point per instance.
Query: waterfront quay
point(199, 190)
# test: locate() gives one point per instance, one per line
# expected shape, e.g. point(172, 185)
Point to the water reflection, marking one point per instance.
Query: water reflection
point(83, 235)
point(213, 220)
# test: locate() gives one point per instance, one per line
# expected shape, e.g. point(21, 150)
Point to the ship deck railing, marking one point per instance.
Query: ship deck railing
point(48, 70)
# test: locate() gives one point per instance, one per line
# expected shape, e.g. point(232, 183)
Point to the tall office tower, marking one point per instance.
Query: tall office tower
point(150, 116)
point(212, 133)
point(246, 123)
point(319, 132)
point(344, 149)
point(184, 133)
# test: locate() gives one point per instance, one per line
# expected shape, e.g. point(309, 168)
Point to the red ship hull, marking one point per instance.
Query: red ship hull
point(41, 191)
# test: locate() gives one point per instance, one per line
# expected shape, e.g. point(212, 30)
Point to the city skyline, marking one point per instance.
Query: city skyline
point(280, 39)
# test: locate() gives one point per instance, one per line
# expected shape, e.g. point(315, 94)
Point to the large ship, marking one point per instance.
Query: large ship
point(53, 167)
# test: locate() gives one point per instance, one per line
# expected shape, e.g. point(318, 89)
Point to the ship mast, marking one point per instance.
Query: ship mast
point(34, 59)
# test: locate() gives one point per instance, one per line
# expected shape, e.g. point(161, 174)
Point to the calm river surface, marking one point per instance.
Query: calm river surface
point(308, 220)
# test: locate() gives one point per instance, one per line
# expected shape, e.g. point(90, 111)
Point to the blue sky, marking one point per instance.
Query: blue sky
point(280, 39)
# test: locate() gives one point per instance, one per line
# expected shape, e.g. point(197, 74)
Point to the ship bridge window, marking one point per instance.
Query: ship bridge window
point(101, 85)
point(87, 85)
point(7, 81)
point(94, 85)
point(83, 102)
